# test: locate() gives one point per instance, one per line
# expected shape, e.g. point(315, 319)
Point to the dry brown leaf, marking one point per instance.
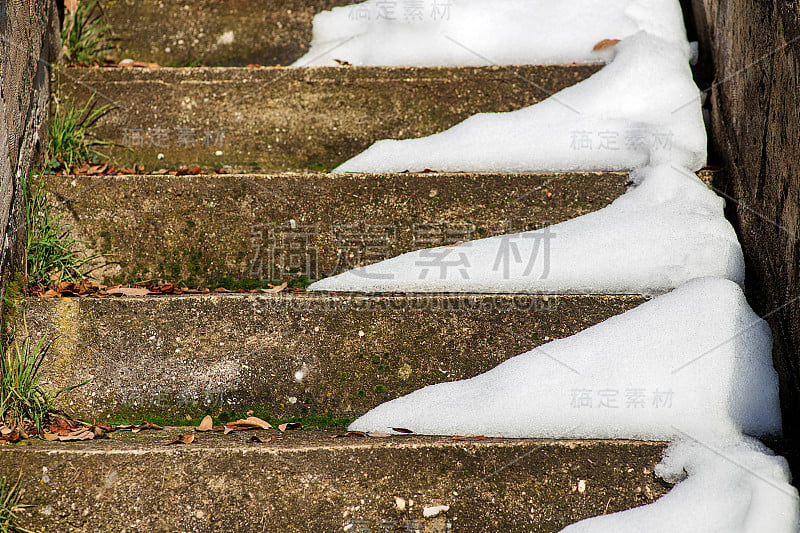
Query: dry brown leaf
point(290, 425)
point(78, 434)
point(71, 5)
point(251, 422)
point(49, 436)
point(207, 424)
point(350, 434)
point(378, 434)
point(183, 439)
point(128, 291)
point(605, 43)
point(262, 440)
point(402, 430)
point(278, 288)
point(144, 425)
point(129, 63)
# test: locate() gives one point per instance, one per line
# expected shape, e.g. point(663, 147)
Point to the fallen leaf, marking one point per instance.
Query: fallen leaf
point(378, 434)
point(78, 434)
point(182, 439)
point(343, 62)
point(50, 436)
point(290, 425)
point(278, 288)
point(71, 5)
point(145, 425)
point(262, 440)
point(251, 422)
point(605, 43)
point(402, 430)
point(207, 424)
point(350, 434)
point(130, 63)
point(128, 291)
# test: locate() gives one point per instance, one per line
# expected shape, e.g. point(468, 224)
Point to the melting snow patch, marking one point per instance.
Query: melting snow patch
point(640, 109)
point(730, 486)
point(477, 32)
point(666, 231)
point(694, 361)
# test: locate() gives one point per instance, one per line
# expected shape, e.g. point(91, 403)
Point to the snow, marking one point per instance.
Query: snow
point(736, 486)
point(466, 32)
point(653, 362)
point(665, 231)
point(692, 366)
point(640, 109)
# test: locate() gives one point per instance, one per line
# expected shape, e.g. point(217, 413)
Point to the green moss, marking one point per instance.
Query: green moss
point(14, 290)
point(322, 167)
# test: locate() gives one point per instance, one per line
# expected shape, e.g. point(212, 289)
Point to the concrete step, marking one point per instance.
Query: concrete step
point(287, 355)
point(226, 33)
point(204, 228)
point(307, 481)
point(275, 119)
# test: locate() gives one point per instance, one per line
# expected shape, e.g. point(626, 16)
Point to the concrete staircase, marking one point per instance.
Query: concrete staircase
point(273, 214)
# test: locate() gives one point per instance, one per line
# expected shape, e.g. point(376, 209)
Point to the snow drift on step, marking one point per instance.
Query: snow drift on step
point(695, 361)
point(734, 486)
point(643, 108)
point(663, 232)
point(482, 32)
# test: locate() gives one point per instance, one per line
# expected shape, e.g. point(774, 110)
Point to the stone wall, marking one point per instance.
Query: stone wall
point(755, 134)
point(29, 40)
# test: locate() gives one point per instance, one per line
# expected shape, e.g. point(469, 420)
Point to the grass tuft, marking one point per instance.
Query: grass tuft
point(23, 400)
point(69, 143)
point(50, 254)
point(9, 505)
point(84, 34)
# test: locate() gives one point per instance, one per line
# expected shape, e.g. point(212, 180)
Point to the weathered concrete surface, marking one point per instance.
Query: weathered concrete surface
point(29, 40)
point(225, 33)
point(293, 118)
point(288, 355)
point(307, 481)
point(756, 133)
point(201, 228)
